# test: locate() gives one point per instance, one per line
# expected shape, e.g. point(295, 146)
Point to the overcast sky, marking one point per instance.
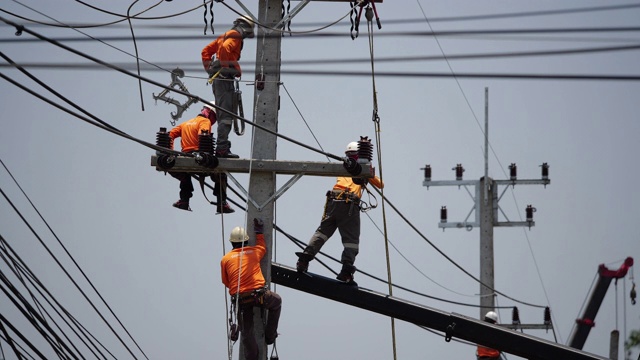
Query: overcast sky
point(158, 267)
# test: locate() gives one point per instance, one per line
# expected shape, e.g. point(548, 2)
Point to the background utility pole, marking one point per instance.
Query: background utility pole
point(486, 211)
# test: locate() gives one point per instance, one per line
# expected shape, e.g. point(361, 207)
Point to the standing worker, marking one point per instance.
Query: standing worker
point(241, 274)
point(189, 133)
point(220, 60)
point(342, 212)
point(485, 353)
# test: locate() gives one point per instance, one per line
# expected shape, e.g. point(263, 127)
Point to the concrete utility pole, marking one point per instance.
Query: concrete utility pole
point(486, 211)
point(262, 184)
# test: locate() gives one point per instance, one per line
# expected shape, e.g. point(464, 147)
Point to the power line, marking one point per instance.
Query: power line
point(343, 61)
point(316, 24)
point(72, 259)
point(440, 33)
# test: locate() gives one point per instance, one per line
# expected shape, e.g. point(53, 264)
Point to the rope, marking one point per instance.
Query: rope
point(376, 122)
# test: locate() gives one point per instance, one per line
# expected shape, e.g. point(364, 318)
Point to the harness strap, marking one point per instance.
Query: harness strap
point(201, 181)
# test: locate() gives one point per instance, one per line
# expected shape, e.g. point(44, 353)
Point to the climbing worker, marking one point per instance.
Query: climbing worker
point(485, 353)
point(189, 132)
point(241, 274)
point(342, 212)
point(220, 60)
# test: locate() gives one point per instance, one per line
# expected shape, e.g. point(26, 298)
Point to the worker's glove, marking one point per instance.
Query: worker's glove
point(258, 226)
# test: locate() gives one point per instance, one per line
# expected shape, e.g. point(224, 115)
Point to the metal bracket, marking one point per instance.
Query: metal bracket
point(273, 197)
point(176, 74)
point(449, 332)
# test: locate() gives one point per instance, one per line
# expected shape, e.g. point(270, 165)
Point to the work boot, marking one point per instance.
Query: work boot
point(227, 154)
point(225, 208)
point(303, 262)
point(182, 205)
point(346, 274)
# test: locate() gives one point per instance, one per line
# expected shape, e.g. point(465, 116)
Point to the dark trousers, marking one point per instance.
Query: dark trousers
point(343, 216)
point(220, 187)
point(271, 302)
point(186, 186)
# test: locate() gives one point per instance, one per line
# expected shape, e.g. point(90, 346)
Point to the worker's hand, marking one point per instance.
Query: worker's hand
point(360, 181)
point(352, 166)
point(258, 226)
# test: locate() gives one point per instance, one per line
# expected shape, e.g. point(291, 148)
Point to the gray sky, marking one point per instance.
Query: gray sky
point(158, 268)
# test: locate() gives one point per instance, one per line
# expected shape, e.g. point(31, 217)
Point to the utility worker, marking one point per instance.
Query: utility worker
point(220, 60)
point(342, 212)
point(189, 132)
point(241, 273)
point(485, 353)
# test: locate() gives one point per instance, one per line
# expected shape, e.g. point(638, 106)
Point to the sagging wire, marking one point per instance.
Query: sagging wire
point(135, 46)
point(292, 32)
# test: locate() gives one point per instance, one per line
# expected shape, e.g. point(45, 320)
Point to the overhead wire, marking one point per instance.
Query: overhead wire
point(76, 26)
point(73, 259)
point(57, 261)
point(4, 321)
point(17, 269)
point(464, 18)
point(481, 34)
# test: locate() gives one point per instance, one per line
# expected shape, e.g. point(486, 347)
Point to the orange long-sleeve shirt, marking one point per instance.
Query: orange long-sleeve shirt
point(227, 48)
point(251, 277)
point(487, 352)
point(346, 183)
point(189, 131)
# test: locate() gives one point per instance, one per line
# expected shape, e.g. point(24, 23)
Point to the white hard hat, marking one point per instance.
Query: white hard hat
point(491, 315)
point(248, 31)
point(247, 20)
point(353, 146)
point(238, 235)
point(210, 104)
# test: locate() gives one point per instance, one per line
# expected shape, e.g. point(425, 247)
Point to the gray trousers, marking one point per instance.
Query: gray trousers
point(223, 90)
point(270, 301)
point(344, 216)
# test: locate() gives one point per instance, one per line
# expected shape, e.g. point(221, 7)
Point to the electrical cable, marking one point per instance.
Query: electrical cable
point(490, 34)
point(57, 345)
point(78, 26)
point(65, 271)
point(72, 259)
point(16, 270)
point(388, 21)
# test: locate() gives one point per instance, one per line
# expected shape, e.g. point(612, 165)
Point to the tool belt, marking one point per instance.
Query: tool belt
point(342, 195)
point(254, 297)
